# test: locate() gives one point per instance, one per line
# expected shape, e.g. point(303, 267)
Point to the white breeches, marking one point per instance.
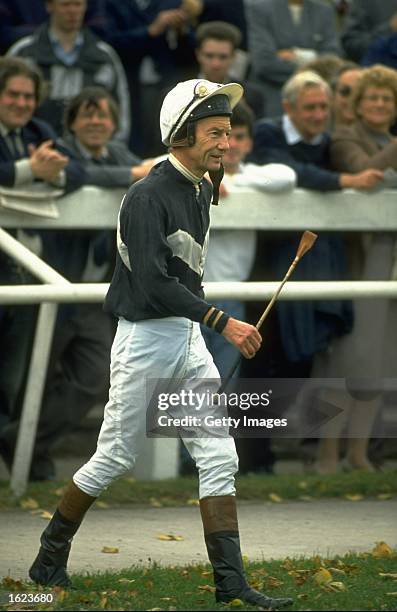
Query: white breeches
point(171, 348)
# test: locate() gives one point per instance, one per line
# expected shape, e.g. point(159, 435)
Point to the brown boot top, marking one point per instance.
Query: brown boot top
point(219, 513)
point(75, 503)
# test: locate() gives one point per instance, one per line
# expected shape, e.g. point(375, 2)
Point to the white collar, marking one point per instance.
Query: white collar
point(293, 136)
point(86, 153)
point(4, 130)
point(183, 170)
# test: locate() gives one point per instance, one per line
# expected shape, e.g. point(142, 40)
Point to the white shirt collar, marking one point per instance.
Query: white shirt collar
point(183, 170)
point(86, 153)
point(4, 130)
point(293, 136)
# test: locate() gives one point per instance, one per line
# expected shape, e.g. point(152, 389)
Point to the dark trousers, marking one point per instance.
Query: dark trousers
point(16, 333)
point(16, 330)
point(77, 377)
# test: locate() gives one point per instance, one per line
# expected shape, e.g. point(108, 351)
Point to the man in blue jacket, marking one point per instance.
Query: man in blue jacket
point(299, 140)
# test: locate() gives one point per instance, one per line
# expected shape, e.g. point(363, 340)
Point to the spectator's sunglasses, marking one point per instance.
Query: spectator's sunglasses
point(344, 90)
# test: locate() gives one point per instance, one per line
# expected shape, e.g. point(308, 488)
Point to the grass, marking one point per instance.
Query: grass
point(181, 491)
point(352, 582)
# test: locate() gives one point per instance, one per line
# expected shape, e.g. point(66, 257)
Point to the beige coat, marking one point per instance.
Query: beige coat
point(354, 149)
point(370, 349)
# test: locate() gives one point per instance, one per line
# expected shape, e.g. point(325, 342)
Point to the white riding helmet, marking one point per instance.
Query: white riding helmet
point(182, 102)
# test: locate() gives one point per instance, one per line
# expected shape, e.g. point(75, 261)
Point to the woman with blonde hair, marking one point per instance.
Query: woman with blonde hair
point(363, 356)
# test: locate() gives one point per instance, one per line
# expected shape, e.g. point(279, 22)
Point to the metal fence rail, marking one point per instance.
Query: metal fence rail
point(249, 292)
point(93, 208)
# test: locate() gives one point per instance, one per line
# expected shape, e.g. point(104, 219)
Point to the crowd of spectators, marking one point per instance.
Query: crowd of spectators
point(81, 85)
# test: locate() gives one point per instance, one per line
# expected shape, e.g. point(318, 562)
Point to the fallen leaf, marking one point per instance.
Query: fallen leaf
point(104, 601)
point(354, 497)
point(29, 503)
point(299, 579)
point(394, 576)
point(384, 496)
point(336, 586)
point(207, 587)
point(11, 584)
point(126, 580)
point(273, 583)
point(336, 570)
point(61, 594)
point(275, 498)
point(169, 537)
point(259, 572)
point(46, 515)
point(110, 550)
point(322, 576)
point(302, 596)
point(256, 584)
point(193, 502)
point(235, 603)
point(382, 550)
point(288, 564)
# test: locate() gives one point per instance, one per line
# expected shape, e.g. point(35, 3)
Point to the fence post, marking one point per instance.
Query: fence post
point(33, 395)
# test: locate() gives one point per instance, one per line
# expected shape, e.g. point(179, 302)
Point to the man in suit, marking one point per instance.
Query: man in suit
point(91, 119)
point(29, 152)
point(84, 332)
point(284, 35)
point(217, 42)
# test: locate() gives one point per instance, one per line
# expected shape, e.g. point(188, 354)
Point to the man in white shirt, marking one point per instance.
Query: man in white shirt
point(231, 253)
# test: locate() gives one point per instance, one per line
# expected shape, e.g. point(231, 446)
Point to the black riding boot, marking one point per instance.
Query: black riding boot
point(49, 567)
point(223, 545)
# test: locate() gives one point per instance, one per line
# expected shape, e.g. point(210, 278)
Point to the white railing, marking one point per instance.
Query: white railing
point(349, 210)
point(93, 208)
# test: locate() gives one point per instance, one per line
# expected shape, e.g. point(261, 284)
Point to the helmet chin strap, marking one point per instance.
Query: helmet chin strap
point(216, 177)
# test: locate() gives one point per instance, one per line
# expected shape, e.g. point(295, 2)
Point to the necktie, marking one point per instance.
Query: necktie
point(13, 144)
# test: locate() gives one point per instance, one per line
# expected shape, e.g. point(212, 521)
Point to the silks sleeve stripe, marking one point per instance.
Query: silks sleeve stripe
point(210, 311)
point(216, 319)
point(218, 316)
